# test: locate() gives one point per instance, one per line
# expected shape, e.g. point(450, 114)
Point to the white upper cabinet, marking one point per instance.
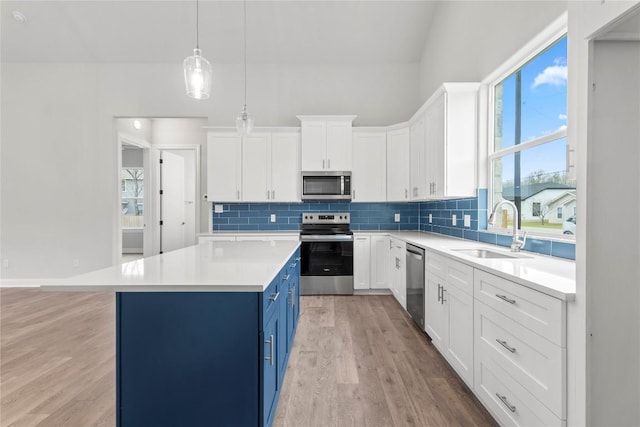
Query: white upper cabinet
point(270, 167)
point(256, 159)
point(417, 165)
point(285, 167)
point(451, 141)
point(326, 143)
point(398, 178)
point(369, 174)
point(261, 167)
point(224, 167)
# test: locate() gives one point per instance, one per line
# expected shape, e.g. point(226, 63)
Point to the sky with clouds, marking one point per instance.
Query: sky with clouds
point(544, 111)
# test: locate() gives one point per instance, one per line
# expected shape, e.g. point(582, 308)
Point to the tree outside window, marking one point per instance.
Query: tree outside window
point(132, 197)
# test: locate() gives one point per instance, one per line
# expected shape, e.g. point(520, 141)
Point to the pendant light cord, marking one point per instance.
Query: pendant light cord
point(197, 25)
point(245, 53)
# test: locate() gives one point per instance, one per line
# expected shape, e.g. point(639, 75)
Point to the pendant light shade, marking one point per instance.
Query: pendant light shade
point(197, 70)
point(244, 120)
point(197, 76)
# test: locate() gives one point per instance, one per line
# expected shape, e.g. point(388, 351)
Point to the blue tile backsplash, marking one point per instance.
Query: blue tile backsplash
point(364, 216)
point(380, 216)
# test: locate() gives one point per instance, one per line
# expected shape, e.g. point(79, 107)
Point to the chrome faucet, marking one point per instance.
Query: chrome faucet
point(516, 243)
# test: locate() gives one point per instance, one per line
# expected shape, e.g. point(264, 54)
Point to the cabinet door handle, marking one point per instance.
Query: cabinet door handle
point(439, 292)
point(322, 164)
point(506, 403)
point(354, 194)
point(406, 193)
point(273, 194)
point(274, 297)
point(237, 194)
point(267, 194)
point(270, 342)
point(443, 291)
point(505, 345)
point(292, 301)
point(504, 298)
point(329, 164)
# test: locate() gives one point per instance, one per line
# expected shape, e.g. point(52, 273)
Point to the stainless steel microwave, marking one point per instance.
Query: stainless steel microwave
point(326, 185)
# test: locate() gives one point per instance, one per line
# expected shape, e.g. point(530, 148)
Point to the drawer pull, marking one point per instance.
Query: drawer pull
point(506, 403)
point(294, 265)
point(274, 297)
point(505, 345)
point(286, 277)
point(504, 298)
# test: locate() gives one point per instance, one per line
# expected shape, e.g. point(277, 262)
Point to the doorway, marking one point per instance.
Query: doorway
point(141, 208)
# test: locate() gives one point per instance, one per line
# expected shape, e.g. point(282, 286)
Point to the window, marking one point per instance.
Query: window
point(529, 144)
point(536, 209)
point(132, 197)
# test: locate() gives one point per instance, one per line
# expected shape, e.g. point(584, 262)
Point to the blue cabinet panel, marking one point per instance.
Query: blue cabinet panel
point(181, 362)
point(270, 375)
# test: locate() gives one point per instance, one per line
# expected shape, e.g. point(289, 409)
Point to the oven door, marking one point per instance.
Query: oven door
point(326, 265)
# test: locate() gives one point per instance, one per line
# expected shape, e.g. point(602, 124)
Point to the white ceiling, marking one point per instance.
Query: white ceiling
point(351, 32)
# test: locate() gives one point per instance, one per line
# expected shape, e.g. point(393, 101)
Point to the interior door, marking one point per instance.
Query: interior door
point(172, 202)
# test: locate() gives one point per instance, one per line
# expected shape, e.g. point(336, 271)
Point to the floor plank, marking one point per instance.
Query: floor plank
point(356, 361)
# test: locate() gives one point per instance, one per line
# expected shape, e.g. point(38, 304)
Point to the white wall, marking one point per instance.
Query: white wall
point(585, 18)
point(469, 39)
point(59, 136)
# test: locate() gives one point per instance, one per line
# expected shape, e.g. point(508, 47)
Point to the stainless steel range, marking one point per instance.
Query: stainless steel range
point(326, 250)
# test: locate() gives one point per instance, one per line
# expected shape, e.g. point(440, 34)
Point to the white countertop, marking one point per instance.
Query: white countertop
point(550, 275)
point(207, 267)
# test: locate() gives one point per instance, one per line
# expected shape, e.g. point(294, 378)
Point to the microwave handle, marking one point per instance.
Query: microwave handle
point(342, 184)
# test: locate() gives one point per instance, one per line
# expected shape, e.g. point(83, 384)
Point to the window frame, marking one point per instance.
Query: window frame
point(553, 33)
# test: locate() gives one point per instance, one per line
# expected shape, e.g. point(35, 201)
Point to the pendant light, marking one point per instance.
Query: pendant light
point(244, 120)
point(197, 70)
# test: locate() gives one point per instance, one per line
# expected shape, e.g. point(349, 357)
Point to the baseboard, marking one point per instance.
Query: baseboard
point(372, 292)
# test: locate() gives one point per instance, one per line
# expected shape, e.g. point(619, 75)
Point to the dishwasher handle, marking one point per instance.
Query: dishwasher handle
point(416, 252)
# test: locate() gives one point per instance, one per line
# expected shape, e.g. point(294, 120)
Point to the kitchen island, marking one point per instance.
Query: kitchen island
point(203, 333)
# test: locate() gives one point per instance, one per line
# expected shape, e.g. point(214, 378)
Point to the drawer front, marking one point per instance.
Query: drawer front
point(534, 310)
point(459, 275)
point(534, 362)
point(271, 296)
point(507, 400)
point(435, 264)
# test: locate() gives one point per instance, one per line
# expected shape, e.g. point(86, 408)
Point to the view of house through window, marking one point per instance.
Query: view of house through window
point(528, 159)
point(132, 180)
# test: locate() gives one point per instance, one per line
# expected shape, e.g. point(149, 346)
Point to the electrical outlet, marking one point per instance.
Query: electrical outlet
point(273, 217)
point(430, 219)
point(218, 208)
point(467, 220)
point(5, 263)
point(454, 221)
point(396, 217)
point(76, 263)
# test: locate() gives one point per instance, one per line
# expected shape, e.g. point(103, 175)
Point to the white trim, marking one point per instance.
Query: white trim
point(263, 129)
point(529, 144)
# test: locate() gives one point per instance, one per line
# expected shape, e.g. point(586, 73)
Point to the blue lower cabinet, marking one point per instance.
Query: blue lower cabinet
point(270, 369)
point(204, 358)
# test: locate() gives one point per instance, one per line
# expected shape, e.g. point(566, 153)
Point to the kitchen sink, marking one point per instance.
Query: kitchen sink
point(485, 253)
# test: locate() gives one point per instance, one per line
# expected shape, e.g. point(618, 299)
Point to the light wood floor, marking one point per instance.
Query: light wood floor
point(356, 361)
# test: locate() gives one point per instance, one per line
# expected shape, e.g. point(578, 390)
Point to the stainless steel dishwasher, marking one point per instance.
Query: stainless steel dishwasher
point(415, 284)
